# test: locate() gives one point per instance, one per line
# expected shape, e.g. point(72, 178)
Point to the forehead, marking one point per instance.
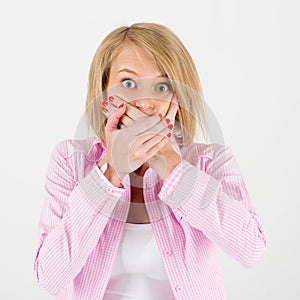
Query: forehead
point(136, 59)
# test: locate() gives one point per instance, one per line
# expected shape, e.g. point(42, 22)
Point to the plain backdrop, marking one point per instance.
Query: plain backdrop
point(247, 55)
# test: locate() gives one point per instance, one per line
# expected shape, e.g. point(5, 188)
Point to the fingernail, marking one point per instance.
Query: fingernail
point(170, 126)
point(121, 105)
point(160, 115)
point(111, 98)
point(168, 121)
point(169, 135)
point(104, 103)
point(105, 110)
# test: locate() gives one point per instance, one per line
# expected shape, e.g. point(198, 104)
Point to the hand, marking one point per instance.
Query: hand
point(130, 115)
point(166, 158)
point(130, 147)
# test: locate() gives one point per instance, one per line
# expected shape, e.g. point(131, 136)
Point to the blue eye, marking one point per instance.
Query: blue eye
point(128, 83)
point(162, 87)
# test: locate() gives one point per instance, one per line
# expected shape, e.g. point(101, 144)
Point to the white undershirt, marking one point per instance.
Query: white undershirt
point(138, 271)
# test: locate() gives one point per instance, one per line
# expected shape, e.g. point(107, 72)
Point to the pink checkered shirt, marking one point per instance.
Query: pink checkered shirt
point(203, 206)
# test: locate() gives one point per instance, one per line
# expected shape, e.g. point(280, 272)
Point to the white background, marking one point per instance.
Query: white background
point(247, 55)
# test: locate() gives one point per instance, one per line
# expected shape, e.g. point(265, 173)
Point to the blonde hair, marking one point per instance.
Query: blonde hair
point(171, 57)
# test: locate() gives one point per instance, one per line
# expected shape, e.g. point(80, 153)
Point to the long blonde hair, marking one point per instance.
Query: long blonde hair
point(171, 57)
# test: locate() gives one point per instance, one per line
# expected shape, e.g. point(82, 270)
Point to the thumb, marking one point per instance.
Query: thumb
point(113, 119)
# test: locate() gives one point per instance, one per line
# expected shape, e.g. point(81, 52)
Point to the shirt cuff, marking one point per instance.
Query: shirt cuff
point(184, 181)
point(109, 186)
point(172, 180)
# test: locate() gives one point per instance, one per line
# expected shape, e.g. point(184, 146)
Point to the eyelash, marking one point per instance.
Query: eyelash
point(124, 79)
point(166, 83)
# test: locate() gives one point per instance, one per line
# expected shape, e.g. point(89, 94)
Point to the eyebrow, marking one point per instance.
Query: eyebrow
point(133, 72)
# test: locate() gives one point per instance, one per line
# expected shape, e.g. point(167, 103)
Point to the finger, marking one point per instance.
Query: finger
point(113, 119)
point(132, 111)
point(156, 148)
point(155, 139)
point(115, 100)
point(150, 124)
point(149, 138)
point(162, 126)
point(108, 108)
point(173, 108)
point(126, 120)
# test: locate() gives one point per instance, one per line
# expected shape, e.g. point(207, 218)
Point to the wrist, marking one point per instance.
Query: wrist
point(112, 176)
point(171, 164)
point(110, 173)
point(165, 164)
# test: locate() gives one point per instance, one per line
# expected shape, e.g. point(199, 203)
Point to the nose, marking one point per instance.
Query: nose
point(145, 105)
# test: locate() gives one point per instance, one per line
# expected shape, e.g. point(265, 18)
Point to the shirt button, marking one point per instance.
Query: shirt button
point(156, 218)
point(109, 189)
point(163, 194)
point(178, 289)
point(95, 214)
point(148, 185)
point(181, 214)
point(168, 252)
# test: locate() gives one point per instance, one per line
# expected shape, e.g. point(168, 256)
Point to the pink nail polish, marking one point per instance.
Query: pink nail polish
point(111, 98)
point(170, 126)
point(104, 103)
point(160, 115)
point(105, 110)
point(169, 135)
point(168, 121)
point(121, 105)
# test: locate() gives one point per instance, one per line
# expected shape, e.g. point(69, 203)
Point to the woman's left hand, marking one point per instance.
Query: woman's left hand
point(167, 158)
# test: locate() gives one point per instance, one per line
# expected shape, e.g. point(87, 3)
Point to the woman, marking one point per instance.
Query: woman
point(140, 210)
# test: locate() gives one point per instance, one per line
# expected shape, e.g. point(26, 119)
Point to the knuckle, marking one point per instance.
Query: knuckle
point(138, 153)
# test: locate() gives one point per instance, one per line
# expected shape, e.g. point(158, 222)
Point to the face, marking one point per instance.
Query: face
point(136, 78)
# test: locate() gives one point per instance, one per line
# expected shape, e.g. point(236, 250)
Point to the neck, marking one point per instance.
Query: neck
point(141, 170)
point(136, 177)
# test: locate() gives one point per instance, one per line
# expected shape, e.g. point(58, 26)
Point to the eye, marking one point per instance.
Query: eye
point(128, 83)
point(162, 87)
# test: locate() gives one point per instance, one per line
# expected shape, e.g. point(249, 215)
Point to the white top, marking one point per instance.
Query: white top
point(138, 271)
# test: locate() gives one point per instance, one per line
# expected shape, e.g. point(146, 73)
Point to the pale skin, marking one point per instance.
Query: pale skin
point(139, 130)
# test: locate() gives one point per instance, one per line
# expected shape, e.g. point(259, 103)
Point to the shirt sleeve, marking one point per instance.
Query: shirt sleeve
point(217, 203)
point(72, 220)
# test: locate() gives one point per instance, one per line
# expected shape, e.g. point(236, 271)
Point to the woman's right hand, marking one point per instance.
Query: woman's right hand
point(130, 147)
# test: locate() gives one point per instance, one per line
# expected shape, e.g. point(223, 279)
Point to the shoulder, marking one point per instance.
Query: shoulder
point(209, 152)
point(208, 157)
point(88, 147)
